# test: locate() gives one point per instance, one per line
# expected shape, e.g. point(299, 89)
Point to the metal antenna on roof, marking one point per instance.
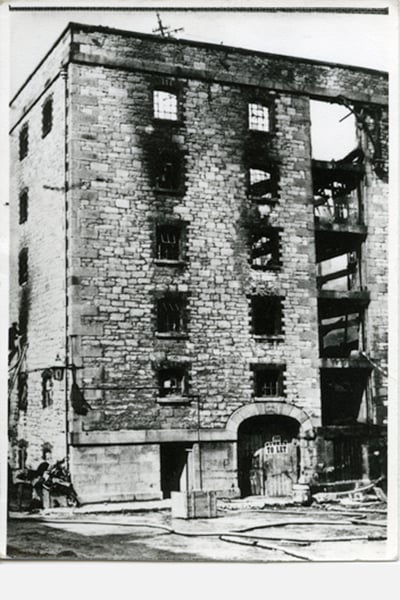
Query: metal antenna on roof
point(165, 30)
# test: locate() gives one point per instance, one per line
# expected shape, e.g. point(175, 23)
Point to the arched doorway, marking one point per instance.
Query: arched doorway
point(268, 461)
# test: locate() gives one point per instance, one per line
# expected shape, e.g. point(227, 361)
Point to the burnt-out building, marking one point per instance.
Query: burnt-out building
point(191, 286)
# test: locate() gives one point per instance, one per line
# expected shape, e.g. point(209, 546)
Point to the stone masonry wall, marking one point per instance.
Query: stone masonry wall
point(115, 279)
point(42, 298)
point(113, 207)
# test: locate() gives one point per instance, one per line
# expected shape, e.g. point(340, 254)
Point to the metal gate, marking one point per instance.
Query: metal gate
point(274, 468)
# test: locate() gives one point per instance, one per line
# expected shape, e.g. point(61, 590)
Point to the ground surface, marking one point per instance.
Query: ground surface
point(314, 533)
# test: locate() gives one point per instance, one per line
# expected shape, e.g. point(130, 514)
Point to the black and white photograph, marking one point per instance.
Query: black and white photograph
point(199, 247)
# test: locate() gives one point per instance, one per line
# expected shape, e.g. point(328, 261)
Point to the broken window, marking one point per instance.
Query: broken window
point(337, 193)
point(341, 327)
point(47, 388)
point(265, 249)
point(263, 183)
point(333, 130)
point(47, 116)
point(168, 241)
point(340, 272)
point(266, 315)
point(343, 395)
point(165, 105)
point(23, 206)
point(168, 170)
point(172, 381)
point(259, 117)
point(23, 266)
point(23, 141)
point(268, 380)
point(171, 317)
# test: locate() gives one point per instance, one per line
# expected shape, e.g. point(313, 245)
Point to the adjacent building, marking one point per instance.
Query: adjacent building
point(196, 301)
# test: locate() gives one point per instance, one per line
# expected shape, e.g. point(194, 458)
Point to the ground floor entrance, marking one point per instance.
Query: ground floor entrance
point(175, 467)
point(268, 455)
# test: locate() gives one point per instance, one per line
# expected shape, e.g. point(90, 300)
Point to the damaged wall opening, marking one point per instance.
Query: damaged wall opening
point(265, 248)
point(342, 272)
point(337, 167)
point(263, 183)
point(343, 396)
point(341, 324)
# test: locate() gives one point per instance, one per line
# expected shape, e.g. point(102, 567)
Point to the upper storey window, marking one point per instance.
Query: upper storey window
point(23, 141)
point(23, 266)
point(165, 105)
point(259, 117)
point(23, 206)
point(47, 116)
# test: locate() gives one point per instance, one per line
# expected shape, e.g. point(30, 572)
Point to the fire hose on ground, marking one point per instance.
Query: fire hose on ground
point(241, 536)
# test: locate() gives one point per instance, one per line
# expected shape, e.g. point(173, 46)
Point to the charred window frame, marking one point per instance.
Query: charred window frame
point(259, 117)
point(263, 183)
point(165, 104)
point(23, 266)
point(23, 206)
point(268, 380)
point(171, 314)
point(47, 116)
point(342, 325)
point(169, 244)
point(47, 388)
point(265, 248)
point(266, 316)
point(168, 171)
point(23, 141)
point(173, 381)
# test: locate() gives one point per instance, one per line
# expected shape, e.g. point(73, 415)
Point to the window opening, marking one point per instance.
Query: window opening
point(341, 272)
point(47, 388)
point(171, 315)
point(168, 242)
point(172, 381)
point(22, 454)
point(268, 382)
point(333, 130)
point(23, 206)
point(23, 266)
point(262, 184)
point(340, 327)
point(259, 119)
point(265, 249)
point(23, 141)
point(165, 105)
point(22, 390)
point(343, 395)
point(168, 171)
point(266, 312)
point(47, 116)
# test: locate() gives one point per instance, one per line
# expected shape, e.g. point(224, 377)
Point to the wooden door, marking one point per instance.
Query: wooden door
point(267, 456)
point(274, 469)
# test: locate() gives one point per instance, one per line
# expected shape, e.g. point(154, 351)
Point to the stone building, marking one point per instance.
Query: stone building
point(215, 294)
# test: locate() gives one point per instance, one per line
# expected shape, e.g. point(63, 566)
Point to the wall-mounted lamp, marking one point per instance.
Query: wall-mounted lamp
point(58, 369)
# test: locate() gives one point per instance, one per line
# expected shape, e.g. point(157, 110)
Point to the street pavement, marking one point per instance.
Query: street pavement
point(245, 532)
